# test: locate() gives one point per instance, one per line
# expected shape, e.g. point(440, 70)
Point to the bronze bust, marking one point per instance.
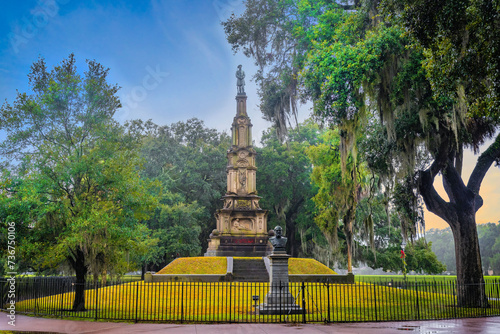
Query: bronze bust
point(278, 241)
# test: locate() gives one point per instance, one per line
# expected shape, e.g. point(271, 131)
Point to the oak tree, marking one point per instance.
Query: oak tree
point(75, 163)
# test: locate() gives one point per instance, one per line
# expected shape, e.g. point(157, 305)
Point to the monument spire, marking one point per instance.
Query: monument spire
point(241, 223)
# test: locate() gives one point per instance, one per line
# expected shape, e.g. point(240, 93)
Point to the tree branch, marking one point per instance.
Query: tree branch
point(432, 200)
point(483, 164)
point(454, 185)
point(440, 158)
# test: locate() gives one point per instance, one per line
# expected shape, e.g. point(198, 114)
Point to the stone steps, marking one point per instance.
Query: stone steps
point(249, 270)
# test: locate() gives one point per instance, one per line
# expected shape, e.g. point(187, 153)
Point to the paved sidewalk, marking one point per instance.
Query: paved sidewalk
point(25, 324)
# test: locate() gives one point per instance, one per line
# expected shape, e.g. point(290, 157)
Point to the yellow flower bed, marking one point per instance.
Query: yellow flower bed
point(196, 265)
point(218, 266)
point(298, 266)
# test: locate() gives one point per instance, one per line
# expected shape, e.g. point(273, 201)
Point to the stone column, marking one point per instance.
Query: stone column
point(278, 281)
point(279, 300)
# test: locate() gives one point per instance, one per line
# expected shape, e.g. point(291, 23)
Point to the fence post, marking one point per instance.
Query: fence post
point(328, 301)
point(281, 304)
point(182, 301)
point(96, 288)
point(453, 298)
point(375, 299)
point(416, 296)
point(62, 299)
point(497, 283)
point(2, 296)
point(230, 301)
point(303, 302)
point(136, 300)
point(35, 292)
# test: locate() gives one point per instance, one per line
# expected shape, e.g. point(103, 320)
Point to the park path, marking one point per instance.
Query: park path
point(490, 325)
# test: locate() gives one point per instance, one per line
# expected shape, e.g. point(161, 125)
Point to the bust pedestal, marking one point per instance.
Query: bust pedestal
point(279, 300)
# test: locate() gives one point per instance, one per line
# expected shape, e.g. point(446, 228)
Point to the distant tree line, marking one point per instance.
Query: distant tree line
point(489, 241)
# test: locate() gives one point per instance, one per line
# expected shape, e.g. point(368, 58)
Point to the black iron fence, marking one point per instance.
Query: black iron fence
point(243, 301)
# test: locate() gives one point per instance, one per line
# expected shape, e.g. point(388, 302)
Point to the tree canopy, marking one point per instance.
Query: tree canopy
point(283, 181)
point(410, 66)
point(188, 160)
point(76, 170)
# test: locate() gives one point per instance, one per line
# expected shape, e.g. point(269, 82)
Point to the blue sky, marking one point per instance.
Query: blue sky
point(170, 57)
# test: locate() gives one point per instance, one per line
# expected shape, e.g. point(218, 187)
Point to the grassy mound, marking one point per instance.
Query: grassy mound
point(196, 265)
point(217, 266)
point(298, 266)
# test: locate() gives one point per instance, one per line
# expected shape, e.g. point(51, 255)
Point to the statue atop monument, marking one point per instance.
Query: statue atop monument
point(278, 241)
point(240, 83)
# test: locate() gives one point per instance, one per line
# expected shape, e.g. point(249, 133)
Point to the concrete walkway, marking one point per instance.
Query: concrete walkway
point(40, 325)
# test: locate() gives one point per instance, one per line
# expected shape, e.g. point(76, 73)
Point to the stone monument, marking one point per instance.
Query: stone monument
point(279, 300)
point(241, 224)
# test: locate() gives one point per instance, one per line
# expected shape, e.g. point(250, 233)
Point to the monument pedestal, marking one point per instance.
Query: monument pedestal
point(279, 300)
point(241, 228)
point(245, 246)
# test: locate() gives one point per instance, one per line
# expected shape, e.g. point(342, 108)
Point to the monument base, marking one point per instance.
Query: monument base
point(279, 300)
point(284, 309)
point(244, 246)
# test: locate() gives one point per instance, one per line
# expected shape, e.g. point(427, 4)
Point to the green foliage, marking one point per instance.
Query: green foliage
point(408, 206)
point(462, 46)
point(176, 225)
point(188, 160)
point(419, 258)
point(274, 34)
point(371, 60)
point(340, 186)
point(385, 251)
point(327, 177)
point(284, 182)
point(74, 179)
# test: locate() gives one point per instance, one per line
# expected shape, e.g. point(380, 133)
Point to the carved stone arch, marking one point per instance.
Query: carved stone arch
point(242, 163)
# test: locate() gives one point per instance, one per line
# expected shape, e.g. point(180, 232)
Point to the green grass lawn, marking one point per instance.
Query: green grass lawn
point(418, 278)
point(443, 283)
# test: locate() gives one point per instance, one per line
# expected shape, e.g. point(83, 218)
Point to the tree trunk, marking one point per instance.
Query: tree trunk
point(104, 278)
point(143, 271)
point(348, 220)
point(349, 254)
point(460, 214)
point(291, 228)
point(291, 231)
point(470, 281)
point(78, 264)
